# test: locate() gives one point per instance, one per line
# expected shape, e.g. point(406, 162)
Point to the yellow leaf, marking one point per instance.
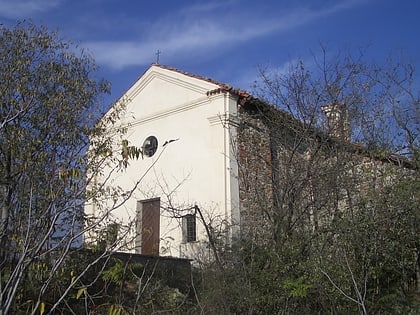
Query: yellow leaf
point(80, 292)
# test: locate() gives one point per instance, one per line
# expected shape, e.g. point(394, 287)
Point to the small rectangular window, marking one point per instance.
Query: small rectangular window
point(189, 233)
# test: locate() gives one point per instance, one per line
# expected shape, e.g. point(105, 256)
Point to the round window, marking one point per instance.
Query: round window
point(150, 146)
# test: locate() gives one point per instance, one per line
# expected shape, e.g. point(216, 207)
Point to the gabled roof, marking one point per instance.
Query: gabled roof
point(223, 87)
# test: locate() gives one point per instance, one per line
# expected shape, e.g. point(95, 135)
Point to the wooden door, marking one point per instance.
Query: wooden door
point(150, 226)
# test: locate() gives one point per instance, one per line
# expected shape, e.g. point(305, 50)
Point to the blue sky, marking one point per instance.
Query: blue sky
point(223, 39)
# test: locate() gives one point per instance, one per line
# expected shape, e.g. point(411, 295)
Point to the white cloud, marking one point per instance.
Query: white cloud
point(17, 9)
point(187, 34)
point(202, 8)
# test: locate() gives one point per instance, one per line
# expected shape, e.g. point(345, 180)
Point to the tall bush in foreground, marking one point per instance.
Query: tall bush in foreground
point(50, 100)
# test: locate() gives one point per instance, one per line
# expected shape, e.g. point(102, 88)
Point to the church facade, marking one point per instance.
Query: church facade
point(187, 175)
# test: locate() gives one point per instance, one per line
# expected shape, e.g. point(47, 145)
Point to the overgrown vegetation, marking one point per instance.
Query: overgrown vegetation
point(330, 212)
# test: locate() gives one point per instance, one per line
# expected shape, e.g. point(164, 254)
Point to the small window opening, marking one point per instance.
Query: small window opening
point(189, 228)
point(150, 146)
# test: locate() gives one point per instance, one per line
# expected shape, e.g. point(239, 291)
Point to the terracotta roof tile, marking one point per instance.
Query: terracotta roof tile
point(223, 87)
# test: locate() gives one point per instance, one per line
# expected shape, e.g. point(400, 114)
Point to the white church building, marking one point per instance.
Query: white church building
point(186, 127)
point(213, 159)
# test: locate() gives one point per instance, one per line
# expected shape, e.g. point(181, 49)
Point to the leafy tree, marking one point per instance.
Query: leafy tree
point(50, 101)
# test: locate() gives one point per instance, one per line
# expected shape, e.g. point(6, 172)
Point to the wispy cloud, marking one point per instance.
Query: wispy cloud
point(19, 9)
point(186, 34)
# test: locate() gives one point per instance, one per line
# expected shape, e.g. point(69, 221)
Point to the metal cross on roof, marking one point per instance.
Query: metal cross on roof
point(158, 53)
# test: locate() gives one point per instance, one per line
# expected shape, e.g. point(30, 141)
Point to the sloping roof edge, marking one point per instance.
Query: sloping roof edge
point(246, 99)
point(222, 87)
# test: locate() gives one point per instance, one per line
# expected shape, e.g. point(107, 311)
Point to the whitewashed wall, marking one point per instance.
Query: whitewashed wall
point(197, 168)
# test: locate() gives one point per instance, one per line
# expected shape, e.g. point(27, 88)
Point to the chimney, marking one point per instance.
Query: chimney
point(337, 121)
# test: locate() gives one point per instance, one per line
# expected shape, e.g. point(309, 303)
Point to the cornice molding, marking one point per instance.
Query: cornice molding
point(156, 74)
point(225, 119)
point(169, 112)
